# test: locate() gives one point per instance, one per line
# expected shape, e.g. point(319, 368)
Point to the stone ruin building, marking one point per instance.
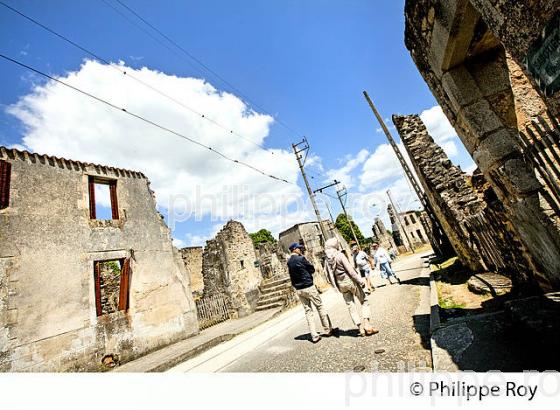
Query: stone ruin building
point(401, 241)
point(381, 236)
point(229, 269)
point(412, 224)
point(192, 258)
point(467, 208)
point(492, 66)
point(78, 286)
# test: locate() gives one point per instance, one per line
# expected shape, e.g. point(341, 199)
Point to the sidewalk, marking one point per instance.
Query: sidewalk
point(169, 356)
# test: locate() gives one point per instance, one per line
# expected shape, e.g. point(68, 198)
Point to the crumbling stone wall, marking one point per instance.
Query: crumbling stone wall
point(48, 246)
point(472, 216)
point(381, 236)
point(192, 258)
point(272, 260)
point(228, 268)
point(461, 49)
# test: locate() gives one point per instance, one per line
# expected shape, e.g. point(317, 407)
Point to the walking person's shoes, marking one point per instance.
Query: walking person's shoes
point(362, 330)
point(315, 339)
point(371, 331)
point(398, 280)
point(332, 332)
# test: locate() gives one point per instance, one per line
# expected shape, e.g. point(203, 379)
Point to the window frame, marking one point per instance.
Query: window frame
point(5, 182)
point(124, 285)
point(112, 183)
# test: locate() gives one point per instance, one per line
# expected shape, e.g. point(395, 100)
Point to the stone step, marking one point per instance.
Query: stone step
point(277, 288)
point(267, 300)
point(274, 293)
point(270, 283)
point(270, 306)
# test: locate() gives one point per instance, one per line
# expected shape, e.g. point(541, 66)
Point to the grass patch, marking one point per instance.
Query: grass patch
point(451, 281)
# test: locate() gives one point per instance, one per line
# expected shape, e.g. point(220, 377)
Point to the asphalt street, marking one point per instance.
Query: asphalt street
point(400, 312)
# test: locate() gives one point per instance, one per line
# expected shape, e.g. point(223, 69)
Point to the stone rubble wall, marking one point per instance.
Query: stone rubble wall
point(381, 236)
point(228, 268)
point(473, 218)
point(272, 260)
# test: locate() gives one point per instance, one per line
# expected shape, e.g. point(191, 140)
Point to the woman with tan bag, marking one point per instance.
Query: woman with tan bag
point(344, 277)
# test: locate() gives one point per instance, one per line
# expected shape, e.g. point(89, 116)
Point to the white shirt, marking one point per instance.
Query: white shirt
point(381, 256)
point(361, 259)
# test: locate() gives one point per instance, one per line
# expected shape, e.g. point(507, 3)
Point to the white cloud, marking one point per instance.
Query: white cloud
point(438, 125)
point(178, 243)
point(343, 174)
point(381, 166)
point(59, 121)
point(450, 148)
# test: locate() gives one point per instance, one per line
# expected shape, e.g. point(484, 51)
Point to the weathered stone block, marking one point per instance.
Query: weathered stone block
point(521, 175)
point(460, 87)
point(481, 119)
point(494, 148)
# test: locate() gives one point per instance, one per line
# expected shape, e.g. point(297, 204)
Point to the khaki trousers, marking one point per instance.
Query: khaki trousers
point(310, 296)
point(350, 292)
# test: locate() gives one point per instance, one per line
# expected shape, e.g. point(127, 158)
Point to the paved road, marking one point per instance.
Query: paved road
point(400, 312)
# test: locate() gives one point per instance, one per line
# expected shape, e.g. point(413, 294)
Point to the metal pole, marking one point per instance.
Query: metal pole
point(399, 223)
point(309, 190)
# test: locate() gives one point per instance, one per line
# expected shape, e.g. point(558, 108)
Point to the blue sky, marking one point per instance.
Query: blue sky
point(305, 63)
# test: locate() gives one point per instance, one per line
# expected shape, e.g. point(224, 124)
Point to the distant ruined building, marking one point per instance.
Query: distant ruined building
point(381, 236)
point(492, 66)
point(309, 234)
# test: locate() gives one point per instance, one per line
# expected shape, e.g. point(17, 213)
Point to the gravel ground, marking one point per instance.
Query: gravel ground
point(400, 312)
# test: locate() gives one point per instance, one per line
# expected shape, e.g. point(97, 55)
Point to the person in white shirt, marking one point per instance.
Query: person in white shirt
point(383, 263)
point(362, 262)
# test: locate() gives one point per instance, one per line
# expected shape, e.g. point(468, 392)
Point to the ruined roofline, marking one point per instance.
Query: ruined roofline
point(13, 153)
point(303, 223)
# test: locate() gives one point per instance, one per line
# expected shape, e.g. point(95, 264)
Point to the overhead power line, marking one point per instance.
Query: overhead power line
point(147, 121)
point(124, 72)
point(205, 66)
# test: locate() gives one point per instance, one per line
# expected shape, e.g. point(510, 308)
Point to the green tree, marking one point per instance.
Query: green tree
point(343, 226)
point(262, 236)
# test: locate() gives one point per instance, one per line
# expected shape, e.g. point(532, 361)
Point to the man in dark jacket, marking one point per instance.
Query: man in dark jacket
point(301, 275)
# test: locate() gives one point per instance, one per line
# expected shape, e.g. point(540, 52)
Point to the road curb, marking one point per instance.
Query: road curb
point(435, 321)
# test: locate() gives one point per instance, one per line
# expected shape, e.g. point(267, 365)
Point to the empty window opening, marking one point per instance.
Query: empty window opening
point(103, 199)
point(412, 219)
point(419, 233)
point(242, 263)
point(112, 280)
point(5, 175)
point(406, 221)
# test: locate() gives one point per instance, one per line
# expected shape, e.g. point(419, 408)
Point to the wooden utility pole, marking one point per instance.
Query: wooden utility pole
point(399, 222)
point(342, 193)
point(297, 151)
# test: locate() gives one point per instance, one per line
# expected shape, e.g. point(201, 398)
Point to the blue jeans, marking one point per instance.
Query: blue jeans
point(386, 270)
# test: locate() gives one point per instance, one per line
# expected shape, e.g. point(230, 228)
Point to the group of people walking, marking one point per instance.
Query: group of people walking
point(355, 285)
